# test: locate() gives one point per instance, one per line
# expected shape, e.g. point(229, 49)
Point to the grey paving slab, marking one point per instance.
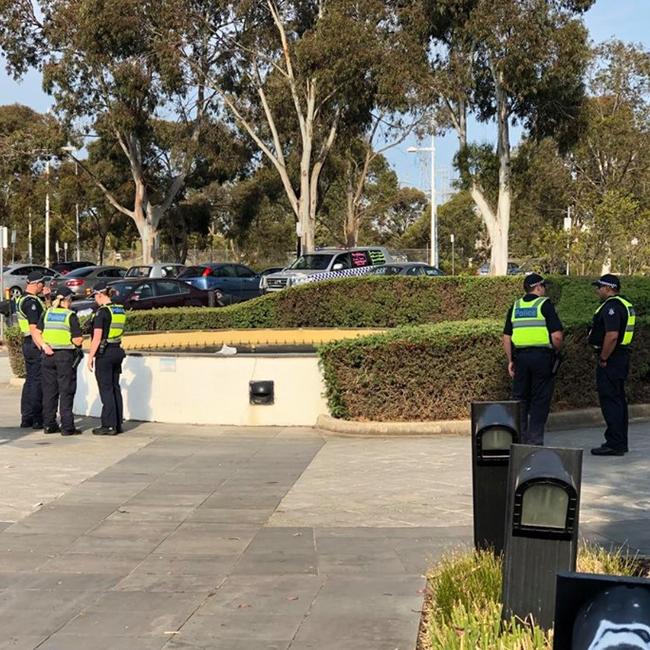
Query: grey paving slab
point(218, 537)
point(364, 612)
point(207, 539)
point(23, 642)
point(116, 623)
point(186, 565)
point(208, 643)
point(111, 563)
point(141, 580)
point(61, 641)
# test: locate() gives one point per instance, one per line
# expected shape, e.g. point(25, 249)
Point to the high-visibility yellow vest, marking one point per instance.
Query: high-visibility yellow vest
point(118, 321)
point(631, 318)
point(23, 323)
point(529, 325)
point(56, 328)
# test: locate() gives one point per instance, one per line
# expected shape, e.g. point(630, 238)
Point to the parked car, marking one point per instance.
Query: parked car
point(407, 268)
point(327, 263)
point(155, 271)
point(513, 269)
point(15, 277)
point(151, 293)
point(82, 281)
point(65, 267)
point(265, 272)
point(233, 282)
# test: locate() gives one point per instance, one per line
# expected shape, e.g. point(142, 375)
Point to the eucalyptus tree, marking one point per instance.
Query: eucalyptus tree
point(113, 71)
point(505, 62)
point(302, 74)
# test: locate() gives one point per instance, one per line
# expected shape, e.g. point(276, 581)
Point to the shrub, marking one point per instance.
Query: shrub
point(386, 302)
point(463, 609)
point(383, 302)
point(431, 372)
point(14, 341)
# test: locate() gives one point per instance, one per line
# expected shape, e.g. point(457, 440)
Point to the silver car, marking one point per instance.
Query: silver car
point(15, 277)
point(82, 281)
point(327, 264)
point(162, 270)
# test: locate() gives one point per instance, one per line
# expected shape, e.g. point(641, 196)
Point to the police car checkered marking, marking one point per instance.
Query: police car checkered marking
point(345, 273)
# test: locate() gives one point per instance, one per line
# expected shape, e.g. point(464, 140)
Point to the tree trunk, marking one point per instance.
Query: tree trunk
point(499, 249)
point(351, 223)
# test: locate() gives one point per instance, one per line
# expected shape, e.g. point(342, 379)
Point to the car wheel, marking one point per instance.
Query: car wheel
point(219, 298)
point(15, 293)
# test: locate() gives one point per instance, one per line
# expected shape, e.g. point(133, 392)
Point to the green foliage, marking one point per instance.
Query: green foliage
point(428, 372)
point(14, 341)
point(463, 608)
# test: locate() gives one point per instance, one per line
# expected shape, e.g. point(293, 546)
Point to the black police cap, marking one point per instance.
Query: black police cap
point(608, 280)
point(533, 280)
point(35, 276)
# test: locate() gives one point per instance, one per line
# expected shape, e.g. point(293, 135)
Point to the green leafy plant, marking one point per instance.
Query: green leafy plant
point(430, 372)
point(463, 610)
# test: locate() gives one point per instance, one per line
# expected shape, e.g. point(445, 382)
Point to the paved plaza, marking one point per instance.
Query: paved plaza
point(248, 539)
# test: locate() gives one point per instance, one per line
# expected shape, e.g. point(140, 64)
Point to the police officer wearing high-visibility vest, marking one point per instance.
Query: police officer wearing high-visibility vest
point(611, 333)
point(59, 335)
point(532, 337)
point(105, 358)
point(29, 309)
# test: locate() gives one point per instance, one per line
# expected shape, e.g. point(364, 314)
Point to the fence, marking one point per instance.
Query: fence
point(130, 257)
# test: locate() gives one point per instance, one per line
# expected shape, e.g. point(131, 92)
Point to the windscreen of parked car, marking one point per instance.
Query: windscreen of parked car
point(315, 262)
point(122, 290)
point(387, 270)
point(81, 273)
point(195, 272)
point(138, 272)
point(170, 271)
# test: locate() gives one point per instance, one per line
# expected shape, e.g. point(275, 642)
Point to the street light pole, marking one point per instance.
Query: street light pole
point(47, 214)
point(434, 224)
point(69, 149)
point(434, 210)
point(76, 209)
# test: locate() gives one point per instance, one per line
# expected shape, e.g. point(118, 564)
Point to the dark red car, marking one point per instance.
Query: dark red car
point(152, 293)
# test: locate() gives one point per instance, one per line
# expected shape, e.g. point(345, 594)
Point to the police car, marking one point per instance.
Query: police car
point(327, 264)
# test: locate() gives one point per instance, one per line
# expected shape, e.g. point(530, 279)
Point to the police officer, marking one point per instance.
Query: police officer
point(611, 334)
point(30, 308)
point(59, 335)
point(532, 337)
point(105, 358)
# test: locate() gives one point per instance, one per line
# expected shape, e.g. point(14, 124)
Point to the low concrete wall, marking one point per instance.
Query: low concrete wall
point(210, 389)
point(558, 421)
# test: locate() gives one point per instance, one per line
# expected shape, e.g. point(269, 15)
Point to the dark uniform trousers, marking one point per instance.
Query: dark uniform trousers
point(533, 384)
point(31, 401)
point(108, 368)
point(59, 387)
point(610, 382)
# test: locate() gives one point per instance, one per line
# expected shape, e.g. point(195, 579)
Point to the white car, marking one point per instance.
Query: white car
point(327, 264)
point(162, 270)
point(15, 278)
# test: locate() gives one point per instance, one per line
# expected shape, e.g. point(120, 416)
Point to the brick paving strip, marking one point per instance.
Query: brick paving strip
point(241, 539)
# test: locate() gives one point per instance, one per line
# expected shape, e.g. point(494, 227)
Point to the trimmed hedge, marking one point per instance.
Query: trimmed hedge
point(431, 372)
point(14, 341)
point(386, 302)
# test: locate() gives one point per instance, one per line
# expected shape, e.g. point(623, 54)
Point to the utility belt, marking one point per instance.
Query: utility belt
point(623, 349)
point(105, 344)
point(533, 348)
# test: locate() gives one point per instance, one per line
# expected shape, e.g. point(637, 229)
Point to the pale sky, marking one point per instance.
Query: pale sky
point(627, 20)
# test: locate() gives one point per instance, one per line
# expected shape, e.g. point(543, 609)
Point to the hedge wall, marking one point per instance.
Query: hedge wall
point(431, 372)
point(386, 302)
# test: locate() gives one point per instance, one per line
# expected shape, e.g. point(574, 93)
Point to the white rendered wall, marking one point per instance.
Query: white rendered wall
point(211, 390)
